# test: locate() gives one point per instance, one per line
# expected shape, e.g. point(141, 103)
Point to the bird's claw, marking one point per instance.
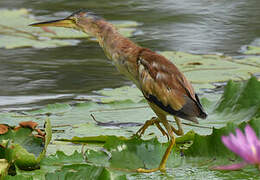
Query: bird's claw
point(148, 123)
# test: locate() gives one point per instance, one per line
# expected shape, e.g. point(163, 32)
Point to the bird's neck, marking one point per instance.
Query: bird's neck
point(122, 51)
point(108, 38)
point(112, 42)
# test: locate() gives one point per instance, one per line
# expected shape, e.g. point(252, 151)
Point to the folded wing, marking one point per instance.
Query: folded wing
point(164, 85)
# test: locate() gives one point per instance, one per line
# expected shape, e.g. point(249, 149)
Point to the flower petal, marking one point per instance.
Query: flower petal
point(250, 135)
point(241, 137)
point(233, 143)
point(228, 143)
point(252, 143)
point(230, 167)
point(258, 152)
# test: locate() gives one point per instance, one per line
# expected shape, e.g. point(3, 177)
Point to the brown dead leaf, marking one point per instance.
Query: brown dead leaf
point(3, 129)
point(17, 128)
point(40, 132)
point(29, 124)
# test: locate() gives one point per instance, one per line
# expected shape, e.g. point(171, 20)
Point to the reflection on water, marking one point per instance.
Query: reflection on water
point(199, 26)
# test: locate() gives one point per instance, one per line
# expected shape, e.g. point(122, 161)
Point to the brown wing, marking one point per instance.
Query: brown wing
point(164, 85)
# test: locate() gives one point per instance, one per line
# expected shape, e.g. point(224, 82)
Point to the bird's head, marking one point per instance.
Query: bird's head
point(81, 20)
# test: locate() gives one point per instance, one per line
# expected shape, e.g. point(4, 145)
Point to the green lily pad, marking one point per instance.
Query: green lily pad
point(119, 94)
point(56, 161)
point(15, 32)
point(209, 69)
point(254, 60)
point(252, 50)
point(22, 148)
point(79, 171)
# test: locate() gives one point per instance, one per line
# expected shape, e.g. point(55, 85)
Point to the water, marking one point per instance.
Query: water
point(31, 77)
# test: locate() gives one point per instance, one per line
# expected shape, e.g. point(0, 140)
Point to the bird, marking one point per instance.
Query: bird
point(162, 84)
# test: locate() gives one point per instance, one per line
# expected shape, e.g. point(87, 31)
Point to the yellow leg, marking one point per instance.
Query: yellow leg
point(167, 152)
point(179, 132)
point(163, 161)
point(157, 123)
point(151, 122)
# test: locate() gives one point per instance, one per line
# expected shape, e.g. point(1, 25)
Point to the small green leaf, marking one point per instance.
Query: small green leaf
point(48, 136)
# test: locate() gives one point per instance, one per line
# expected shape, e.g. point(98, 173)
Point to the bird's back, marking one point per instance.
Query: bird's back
point(164, 85)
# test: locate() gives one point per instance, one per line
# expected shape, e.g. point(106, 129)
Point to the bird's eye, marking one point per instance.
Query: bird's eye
point(74, 19)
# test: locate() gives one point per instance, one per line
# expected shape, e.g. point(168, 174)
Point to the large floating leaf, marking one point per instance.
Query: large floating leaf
point(119, 94)
point(209, 69)
point(15, 32)
point(253, 48)
point(80, 171)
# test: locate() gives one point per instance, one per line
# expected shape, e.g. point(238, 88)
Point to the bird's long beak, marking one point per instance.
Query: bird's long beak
point(67, 23)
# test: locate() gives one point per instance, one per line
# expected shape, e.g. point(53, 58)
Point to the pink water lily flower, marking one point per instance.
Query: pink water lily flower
point(247, 146)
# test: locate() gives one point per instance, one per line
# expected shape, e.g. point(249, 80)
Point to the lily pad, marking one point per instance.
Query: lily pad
point(209, 69)
point(79, 171)
point(15, 32)
point(252, 50)
point(24, 149)
point(119, 94)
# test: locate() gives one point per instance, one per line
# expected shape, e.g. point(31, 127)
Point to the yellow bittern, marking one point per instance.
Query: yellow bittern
point(165, 88)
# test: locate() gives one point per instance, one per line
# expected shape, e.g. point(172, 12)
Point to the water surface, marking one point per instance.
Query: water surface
point(31, 77)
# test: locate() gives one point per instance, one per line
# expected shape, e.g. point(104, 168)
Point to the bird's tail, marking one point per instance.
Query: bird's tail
point(202, 113)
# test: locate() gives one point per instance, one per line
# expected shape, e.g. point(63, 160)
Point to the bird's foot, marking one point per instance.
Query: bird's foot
point(178, 131)
point(160, 168)
point(157, 123)
point(148, 123)
point(151, 122)
point(141, 170)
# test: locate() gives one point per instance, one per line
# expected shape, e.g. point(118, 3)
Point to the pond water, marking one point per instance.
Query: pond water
point(30, 78)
